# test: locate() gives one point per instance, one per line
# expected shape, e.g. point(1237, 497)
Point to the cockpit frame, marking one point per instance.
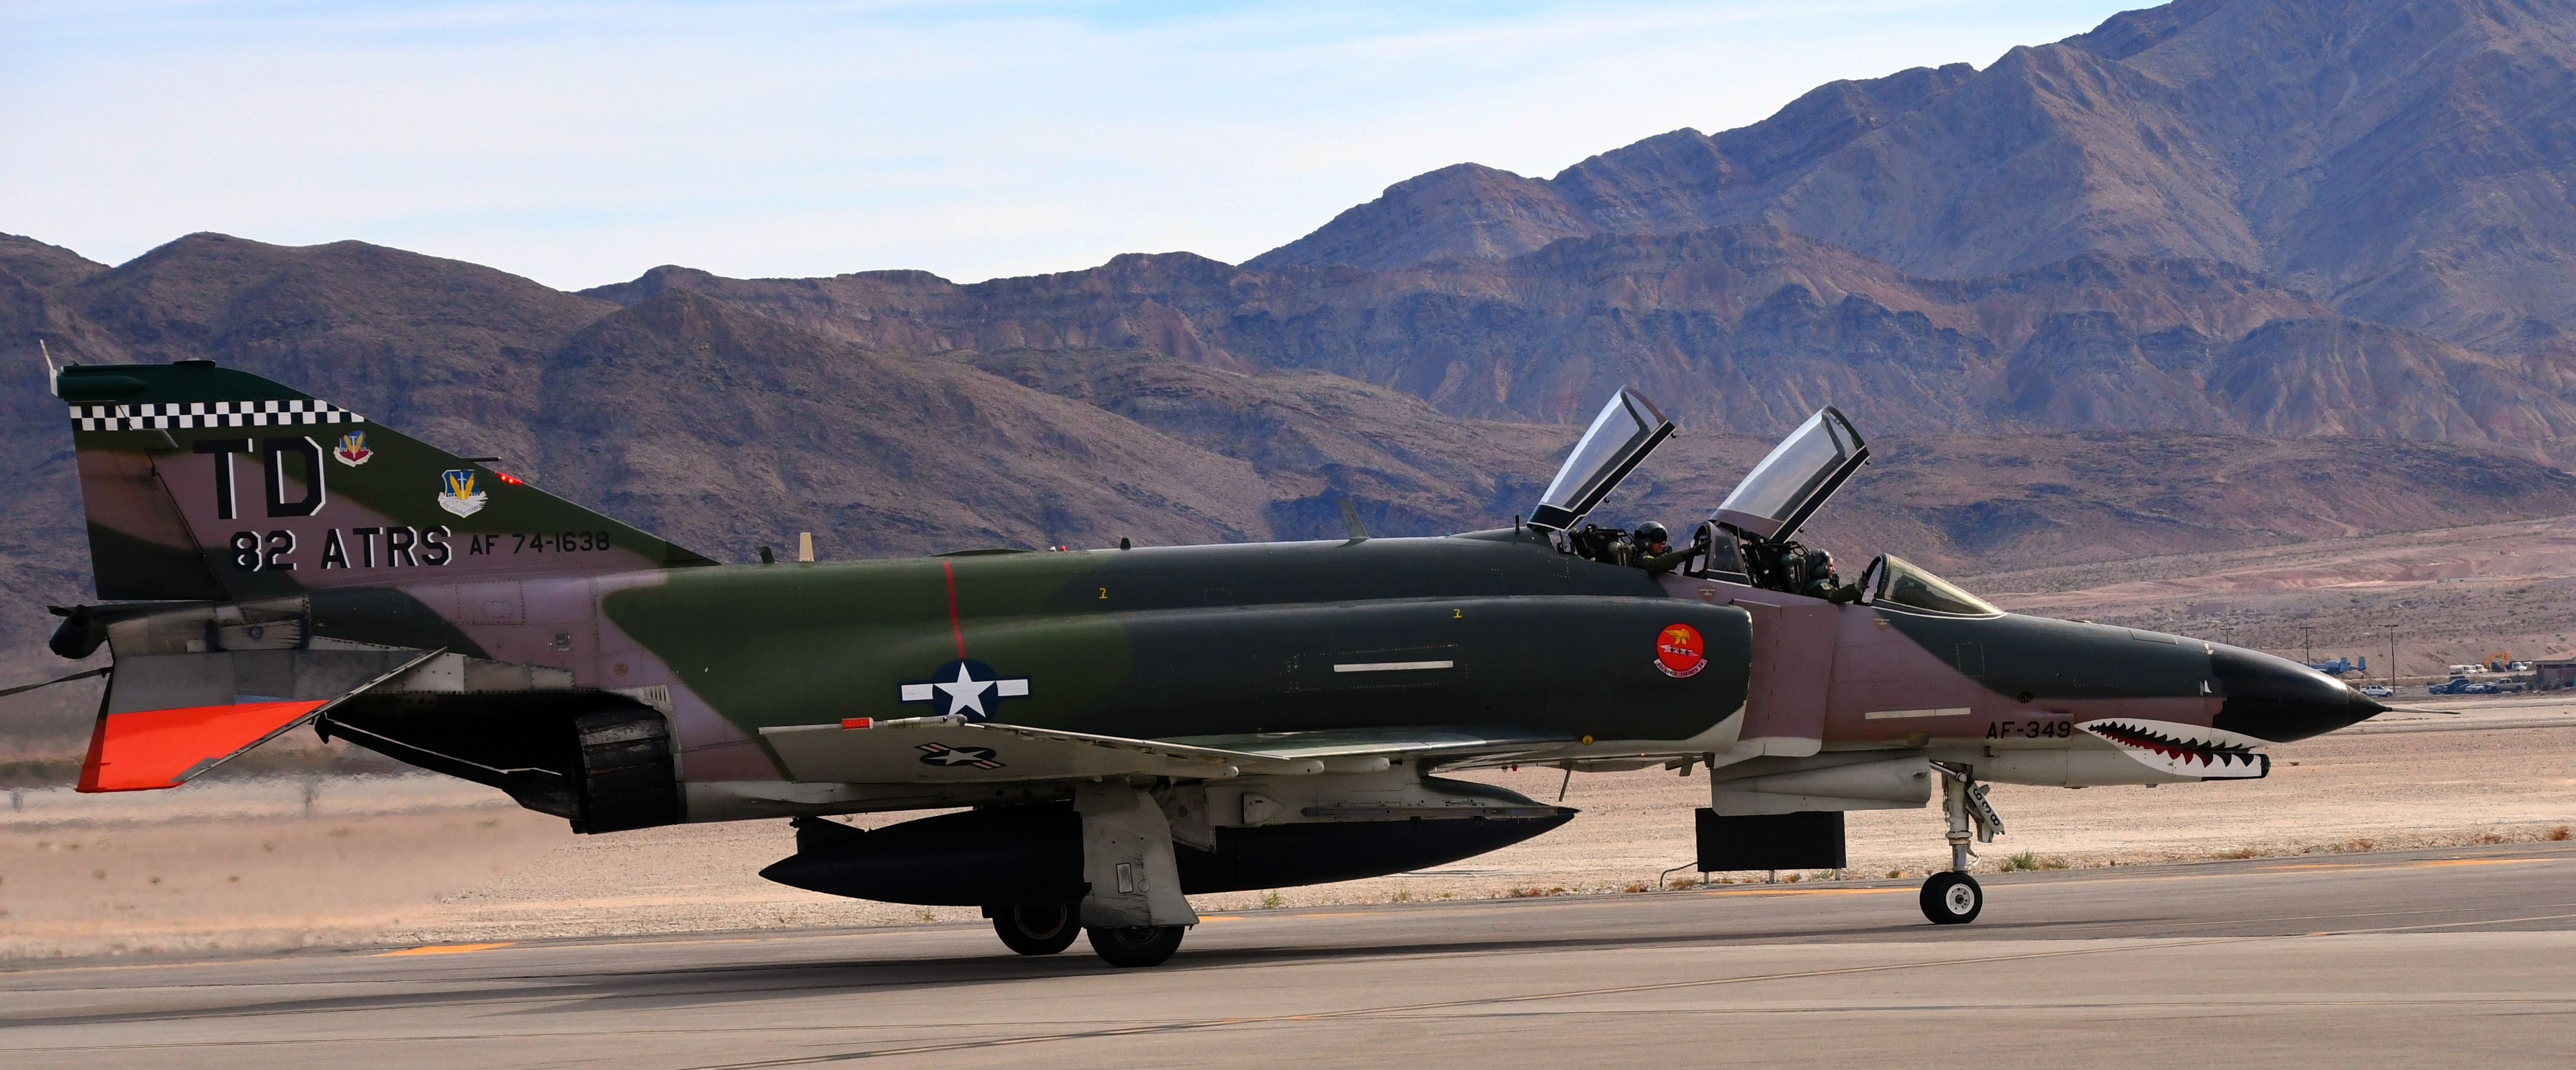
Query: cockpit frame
point(1618, 440)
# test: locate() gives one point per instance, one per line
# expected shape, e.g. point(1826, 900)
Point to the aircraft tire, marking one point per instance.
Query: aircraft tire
point(1952, 898)
point(1144, 945)
point(1036, 928)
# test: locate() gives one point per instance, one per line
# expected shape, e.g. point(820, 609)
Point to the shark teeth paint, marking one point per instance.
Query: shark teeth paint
point(2184, 749)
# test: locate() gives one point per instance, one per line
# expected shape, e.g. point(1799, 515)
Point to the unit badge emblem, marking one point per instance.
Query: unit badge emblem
point(1679, 652)
point(965, 688)
point(353, 449)
point(457, 493)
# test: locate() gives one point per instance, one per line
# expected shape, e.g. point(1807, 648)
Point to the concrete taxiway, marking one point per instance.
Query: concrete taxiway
point(2440, 957)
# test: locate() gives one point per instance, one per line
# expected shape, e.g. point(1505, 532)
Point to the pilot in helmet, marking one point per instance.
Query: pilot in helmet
point(1651, 539)
point(1655, 551)
point(1822, 582)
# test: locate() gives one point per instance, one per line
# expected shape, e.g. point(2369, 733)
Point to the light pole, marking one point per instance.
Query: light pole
point(2307, 651)
point(2392, 657)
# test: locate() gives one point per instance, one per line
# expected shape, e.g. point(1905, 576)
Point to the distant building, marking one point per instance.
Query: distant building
point(2552, 675)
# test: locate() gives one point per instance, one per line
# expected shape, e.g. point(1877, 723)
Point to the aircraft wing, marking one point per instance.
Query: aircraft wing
point(935, 750)
point(939, 751)
point(1342, 744)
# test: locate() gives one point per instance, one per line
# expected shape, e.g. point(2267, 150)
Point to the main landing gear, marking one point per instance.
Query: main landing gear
point(1047, 928)
point(1954, 898)
point(1035, 929)
point(1143, 945)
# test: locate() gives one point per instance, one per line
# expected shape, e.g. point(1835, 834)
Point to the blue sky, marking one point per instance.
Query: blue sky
point(581, 143)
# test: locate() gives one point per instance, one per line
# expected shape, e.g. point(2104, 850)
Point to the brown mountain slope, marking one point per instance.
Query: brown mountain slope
point(44, 266)
point(442, 347)
point(721, 428)
point(2406, 161)
point(1748, 328)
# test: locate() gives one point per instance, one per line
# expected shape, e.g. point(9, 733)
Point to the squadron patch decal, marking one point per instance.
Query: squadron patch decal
point(353, 450)
point(457, 493)
point(1679, 651)
point(965, 686)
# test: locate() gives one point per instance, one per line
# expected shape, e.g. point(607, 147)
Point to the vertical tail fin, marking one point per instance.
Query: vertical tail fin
point(202, 482)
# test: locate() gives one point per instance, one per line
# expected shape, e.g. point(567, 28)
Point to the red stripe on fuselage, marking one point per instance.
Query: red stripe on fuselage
point(146, 749)
point(953, 624)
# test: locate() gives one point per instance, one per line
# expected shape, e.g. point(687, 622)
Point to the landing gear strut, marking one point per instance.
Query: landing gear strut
point(1954, 898)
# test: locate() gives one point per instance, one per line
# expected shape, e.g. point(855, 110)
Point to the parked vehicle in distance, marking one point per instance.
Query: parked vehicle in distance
point(2379, 691)
point(2462, 685)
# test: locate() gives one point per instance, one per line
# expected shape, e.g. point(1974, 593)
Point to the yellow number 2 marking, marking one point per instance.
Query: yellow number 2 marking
point(1104, 594)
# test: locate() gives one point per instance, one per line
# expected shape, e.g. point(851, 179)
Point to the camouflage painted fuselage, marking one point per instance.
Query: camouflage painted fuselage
point(278, 560)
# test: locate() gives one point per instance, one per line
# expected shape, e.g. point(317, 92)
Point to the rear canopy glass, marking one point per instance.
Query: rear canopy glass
point(1800, 468)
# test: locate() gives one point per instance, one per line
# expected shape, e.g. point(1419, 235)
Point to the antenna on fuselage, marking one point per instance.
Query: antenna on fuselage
point(53, 375)
point(1351, 521)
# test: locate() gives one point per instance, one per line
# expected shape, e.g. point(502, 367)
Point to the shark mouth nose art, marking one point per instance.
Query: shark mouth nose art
point(2185, 750)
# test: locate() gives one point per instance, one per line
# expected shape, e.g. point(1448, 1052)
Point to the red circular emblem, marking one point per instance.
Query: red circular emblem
point(1679, 651)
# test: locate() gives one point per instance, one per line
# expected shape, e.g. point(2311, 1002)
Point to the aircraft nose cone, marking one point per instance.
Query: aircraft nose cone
point(2281, 700)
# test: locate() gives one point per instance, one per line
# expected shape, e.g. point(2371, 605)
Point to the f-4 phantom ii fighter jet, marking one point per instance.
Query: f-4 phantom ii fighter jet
point(1110, 730)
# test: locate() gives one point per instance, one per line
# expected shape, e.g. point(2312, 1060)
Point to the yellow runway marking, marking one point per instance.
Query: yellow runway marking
point(444, 949)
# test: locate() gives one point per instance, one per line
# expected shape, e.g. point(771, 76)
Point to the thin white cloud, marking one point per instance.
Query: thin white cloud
point(579, 144)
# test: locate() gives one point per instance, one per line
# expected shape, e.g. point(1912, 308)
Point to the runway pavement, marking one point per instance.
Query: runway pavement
point(2435, 957)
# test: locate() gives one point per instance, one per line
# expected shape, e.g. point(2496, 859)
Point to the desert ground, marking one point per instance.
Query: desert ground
point(418, 860)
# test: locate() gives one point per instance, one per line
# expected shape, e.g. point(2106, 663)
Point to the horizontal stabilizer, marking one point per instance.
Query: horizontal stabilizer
point(146, 750)
point(5, 692)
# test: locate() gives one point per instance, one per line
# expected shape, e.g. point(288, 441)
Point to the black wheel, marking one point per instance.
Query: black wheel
point(1952, 899)
point(1144, 945)
point(1036, 928)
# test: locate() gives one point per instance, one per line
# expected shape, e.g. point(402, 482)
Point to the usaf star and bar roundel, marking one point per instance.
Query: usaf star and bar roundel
point(967, 688)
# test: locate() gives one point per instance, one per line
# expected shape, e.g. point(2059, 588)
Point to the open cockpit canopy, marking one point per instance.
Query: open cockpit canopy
point(1794, 481)
point(1894, 581)
point(1628, 428)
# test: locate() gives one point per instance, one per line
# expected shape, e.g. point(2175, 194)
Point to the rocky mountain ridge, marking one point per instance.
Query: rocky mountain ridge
point(1748, 328)
point(2406, 162)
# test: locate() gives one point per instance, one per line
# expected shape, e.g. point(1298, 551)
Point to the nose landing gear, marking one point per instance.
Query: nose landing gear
point(1954, 898)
